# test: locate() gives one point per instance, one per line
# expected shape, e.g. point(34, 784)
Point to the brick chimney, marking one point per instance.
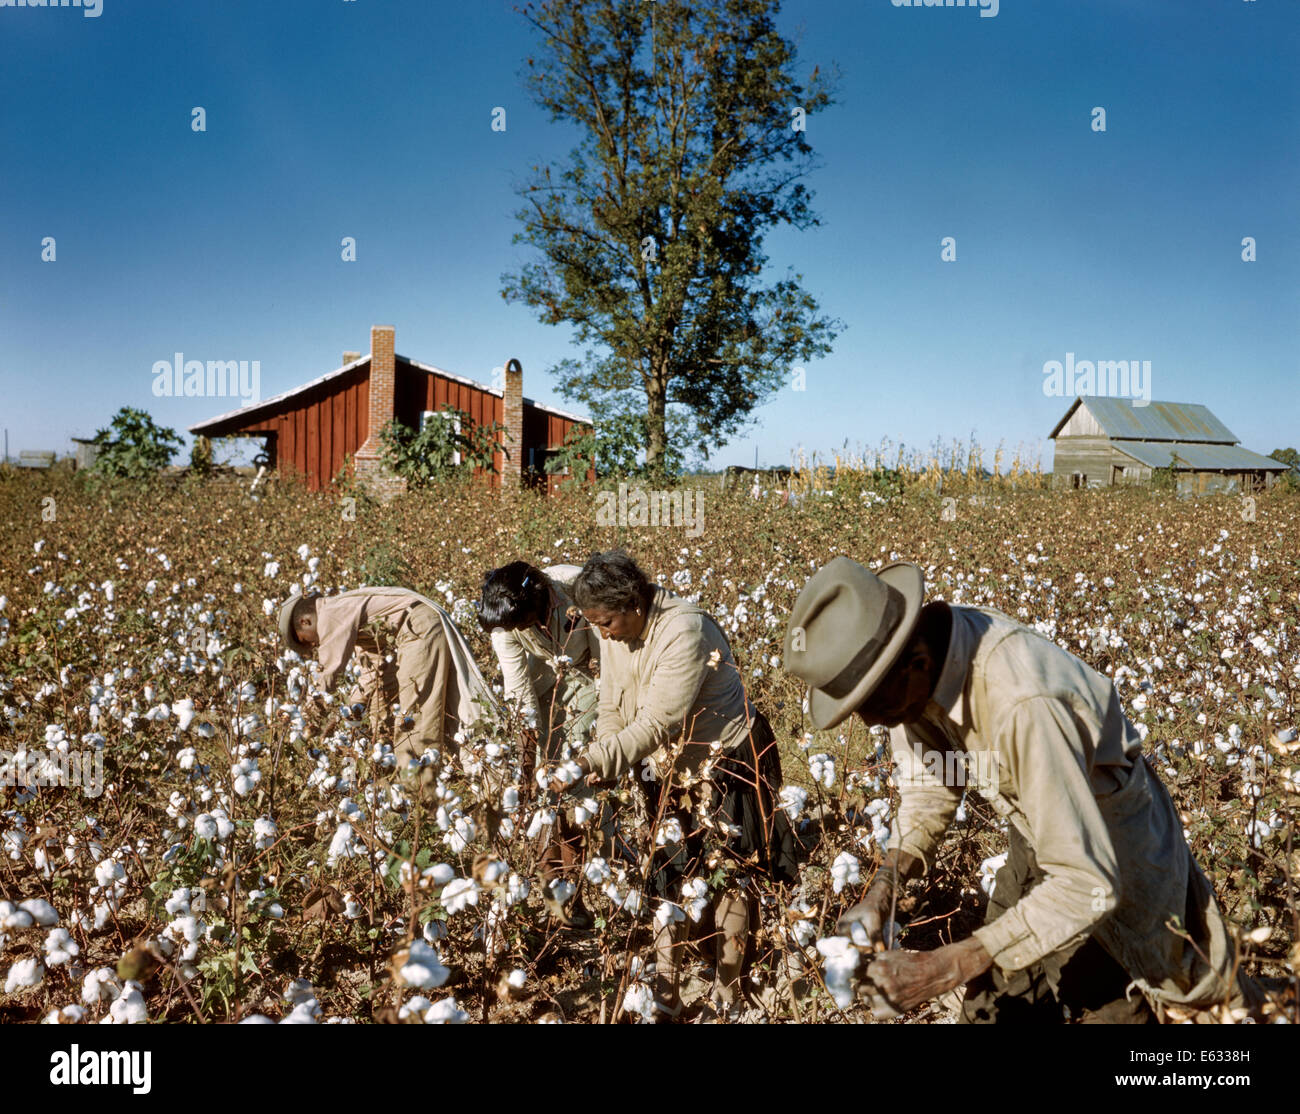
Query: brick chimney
point(383, 375)
point(349, 357)
point(512, 410)
point(383, 372)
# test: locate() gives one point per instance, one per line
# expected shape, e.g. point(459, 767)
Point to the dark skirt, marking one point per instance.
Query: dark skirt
point(730, 821)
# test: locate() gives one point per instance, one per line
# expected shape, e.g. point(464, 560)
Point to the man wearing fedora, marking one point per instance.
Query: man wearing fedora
point(411, 654)
point(1100, 897)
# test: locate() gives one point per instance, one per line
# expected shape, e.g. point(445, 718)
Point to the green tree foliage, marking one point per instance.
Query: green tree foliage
point(1291, 479)
point(614, 447)
point(132, 447)
point(448, 445)
point(691, 149)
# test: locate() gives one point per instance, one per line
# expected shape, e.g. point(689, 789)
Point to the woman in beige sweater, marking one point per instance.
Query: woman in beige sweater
point(670, 690)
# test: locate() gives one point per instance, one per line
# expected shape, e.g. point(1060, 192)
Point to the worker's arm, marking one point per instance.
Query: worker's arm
point(517, 680)
point(662, 707)
point(926, 805)
point(1043, 746)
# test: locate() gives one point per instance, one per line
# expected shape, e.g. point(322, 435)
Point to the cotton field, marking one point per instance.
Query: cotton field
point(185, 837)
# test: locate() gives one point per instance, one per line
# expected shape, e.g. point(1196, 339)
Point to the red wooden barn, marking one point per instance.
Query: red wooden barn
point(313, 428)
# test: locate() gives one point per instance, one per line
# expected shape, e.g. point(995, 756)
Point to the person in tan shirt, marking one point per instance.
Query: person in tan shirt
point(670, 692)
point(411, 655)
point(1098, 867)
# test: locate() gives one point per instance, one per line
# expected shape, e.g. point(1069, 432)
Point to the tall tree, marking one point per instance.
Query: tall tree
point(692, 146)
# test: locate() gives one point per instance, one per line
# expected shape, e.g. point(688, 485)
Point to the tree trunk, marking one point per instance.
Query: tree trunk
point(656, 429)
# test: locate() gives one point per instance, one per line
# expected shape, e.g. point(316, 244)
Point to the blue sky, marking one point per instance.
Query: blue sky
point(372, 119)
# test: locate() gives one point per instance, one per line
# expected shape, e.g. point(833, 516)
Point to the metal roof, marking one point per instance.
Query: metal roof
point(275, 400)
point(1155, 421)
point(1196, 456)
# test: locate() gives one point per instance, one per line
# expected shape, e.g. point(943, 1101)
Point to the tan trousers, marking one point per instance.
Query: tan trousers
point(422, 681)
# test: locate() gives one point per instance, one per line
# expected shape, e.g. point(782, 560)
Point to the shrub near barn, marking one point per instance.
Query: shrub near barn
point(242, 861)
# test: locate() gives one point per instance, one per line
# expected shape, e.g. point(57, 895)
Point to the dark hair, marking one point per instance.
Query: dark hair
point(512, 596)
point(612, 582)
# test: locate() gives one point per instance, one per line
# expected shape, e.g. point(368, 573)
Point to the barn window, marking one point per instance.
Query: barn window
point(1078, 480)
point(427, 416)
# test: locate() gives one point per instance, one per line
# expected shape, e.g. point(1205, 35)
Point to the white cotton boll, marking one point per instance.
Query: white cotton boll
point(462, 834)
point(841, 958)
point(670, 831)
point(516, 890)
point(128, 1008)
point(342, 845)
point(793, 800)
point(804, 930)
point(822, 769)
point(494, 870)
point(567, 773)
point(458, 894)
point(562, 890)
point(434, 931)
point(60, 948)
point(12, 917)
point(264, 832)
point(299, 991)
point(423, 969)
point(584, 811)
point(639, 1001)
point(305, 1013)
point(204, 826)
point(844, 871)
point(597, 872)
point(416, 1007)
point(41, 910)
point(446, 1012)
point(541, 818)
point(518, 978)
point(184, 712)
point(108, 871)
point(271, 568)
point(100, 985)
point(26, 972)
point(695, 898)
point(509, 799)
point(988, 872)
point(440, 873)
point(69, 1015)
point(668, 913)
point(256, 1019)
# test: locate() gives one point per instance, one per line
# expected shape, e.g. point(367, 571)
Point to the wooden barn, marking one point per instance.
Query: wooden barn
point(1105, 441)
point(312, 429)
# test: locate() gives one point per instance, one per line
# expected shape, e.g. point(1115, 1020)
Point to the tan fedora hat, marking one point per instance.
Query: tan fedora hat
point(847, 628)
point(286, 623)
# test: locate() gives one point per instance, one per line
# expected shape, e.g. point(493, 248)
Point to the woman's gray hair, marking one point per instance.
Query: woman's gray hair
point(611, 582)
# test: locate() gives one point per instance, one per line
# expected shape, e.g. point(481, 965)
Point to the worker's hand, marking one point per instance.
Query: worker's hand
point(873, 911)
point(567, 774)
point(899, 981)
